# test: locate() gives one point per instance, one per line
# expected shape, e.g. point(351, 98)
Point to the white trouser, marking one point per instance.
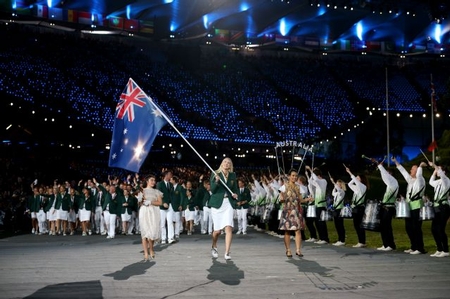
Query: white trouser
point(177, 219)
point(42, 221)
point(110, 220)
point(99, 220)
point(242, 220)
point(167, 215)
point(207, 220)
point(132, 222)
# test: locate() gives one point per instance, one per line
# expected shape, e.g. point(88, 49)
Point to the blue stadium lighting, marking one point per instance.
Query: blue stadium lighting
point(14, 4)
point(282, 28)
point(205, 21)
point(168, 1)
point(128, 11)
point(437, 33)
point(49, 3)
point(359, 30)
point(244, 7)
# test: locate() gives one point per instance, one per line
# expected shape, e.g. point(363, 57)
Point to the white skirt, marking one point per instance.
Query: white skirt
point(189, 215)
point(84, 215)
point(61, 214)
point(125, 217)
point(223, 216)
point(51, 214)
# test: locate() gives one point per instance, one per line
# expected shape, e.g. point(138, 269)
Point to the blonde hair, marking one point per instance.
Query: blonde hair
point(221, 168)
point(342, 184)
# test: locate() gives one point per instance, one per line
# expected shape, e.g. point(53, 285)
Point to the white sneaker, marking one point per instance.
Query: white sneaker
point(381, 248)
point(359, 245)
point(90, 233)
point(108, 237)
point(214, 253)
point(389, 248)
point(227, 256)
point(415, 252)
point(408, 251)
point(170, 241)
point(238, 232)
point(163, 242)
point(244, 233)
point(103, 233)
point(83, 234)
point(321, 242)
point(311, 240)
point(437, 253)
point(33, 231)
point(339, 243)
point(443, 254)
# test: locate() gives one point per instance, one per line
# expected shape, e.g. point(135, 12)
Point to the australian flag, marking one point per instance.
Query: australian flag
point(137, 121)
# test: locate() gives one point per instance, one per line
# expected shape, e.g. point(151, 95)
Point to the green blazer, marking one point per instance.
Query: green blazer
point(34, 203)
point(200, 195)
point(49, 202)
point(167, 193)
point(86, 202)
point(132, 203)
point(219, 191)
point(244, 196)
point(63, 201)
point(177, 197)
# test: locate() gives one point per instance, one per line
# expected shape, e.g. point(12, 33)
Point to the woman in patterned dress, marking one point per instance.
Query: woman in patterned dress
point(149, 217)
point(291, 216)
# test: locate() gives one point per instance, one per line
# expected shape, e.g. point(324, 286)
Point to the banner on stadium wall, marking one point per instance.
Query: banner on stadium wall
point(237, 37)
point(374, 46)
point(222, 35)
point(115, 22)
point(70, 16)
point(282, 40)
point(311, 42)
point(55, 14)
point(146, 27)
point(131, 25)
point(41, 11)
point(84, 17)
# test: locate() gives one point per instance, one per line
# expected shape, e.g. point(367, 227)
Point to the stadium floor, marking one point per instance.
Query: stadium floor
point(34, 266)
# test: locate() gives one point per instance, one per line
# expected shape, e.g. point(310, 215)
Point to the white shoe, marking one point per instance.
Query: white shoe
point(359, 245)
point(443, 254)
point(389, 248)
point(163, 242)
point(130, 234)
point(244, 233)
point(382, 248)
point(214, 253)
point(90, 232)
point(407, 251)
point(415, 252)
point(238, 232)
point(321, 242)
point(227, 256)
point(108, 237)
point(311, 240)
point(170, 241)
point(339, 243)
point(33, 231)
point(436, 254)
point(83, 234)
point(103, 233)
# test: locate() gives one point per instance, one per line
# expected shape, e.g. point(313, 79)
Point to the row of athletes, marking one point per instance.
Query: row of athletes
point(108, 207)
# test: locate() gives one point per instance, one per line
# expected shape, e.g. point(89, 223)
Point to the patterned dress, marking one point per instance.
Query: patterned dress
point(291, 215)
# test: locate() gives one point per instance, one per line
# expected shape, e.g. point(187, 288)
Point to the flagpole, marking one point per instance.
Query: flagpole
point(387, 119)
point(187, 142)
point(293, 153)
point(433, 94)
point(278, 163)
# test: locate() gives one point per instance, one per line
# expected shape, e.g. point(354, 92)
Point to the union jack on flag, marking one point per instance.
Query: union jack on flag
point(132, 96)
point(137, 121)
